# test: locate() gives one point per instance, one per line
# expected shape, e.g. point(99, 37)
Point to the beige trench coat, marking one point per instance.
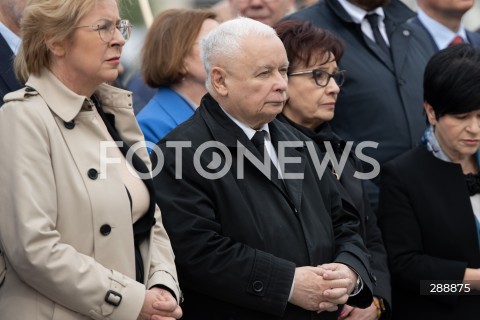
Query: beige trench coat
point(59, 265)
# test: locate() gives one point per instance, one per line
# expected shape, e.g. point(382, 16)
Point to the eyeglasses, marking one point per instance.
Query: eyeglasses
point(106, 28)
point(322, 77)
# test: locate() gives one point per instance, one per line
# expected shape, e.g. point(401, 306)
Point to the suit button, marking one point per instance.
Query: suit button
point(93, 174)
point(105, 229)
point(257, 286)
point(69, 125)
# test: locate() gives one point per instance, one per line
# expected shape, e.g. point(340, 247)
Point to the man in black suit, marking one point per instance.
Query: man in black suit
point(10, 15)
point(382, 97)
point(250, 244)
point(443, 21)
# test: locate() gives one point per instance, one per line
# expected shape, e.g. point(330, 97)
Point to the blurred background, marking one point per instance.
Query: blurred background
point(131, 9)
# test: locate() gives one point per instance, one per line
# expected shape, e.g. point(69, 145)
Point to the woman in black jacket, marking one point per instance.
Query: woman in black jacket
point(313, 86)
point(429, 209)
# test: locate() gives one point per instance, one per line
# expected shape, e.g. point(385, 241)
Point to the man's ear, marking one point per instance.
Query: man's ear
point(56, 48)
point(218, 78)
point(432, 119)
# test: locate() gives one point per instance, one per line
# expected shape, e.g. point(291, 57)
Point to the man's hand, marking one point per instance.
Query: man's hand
point(312, 291)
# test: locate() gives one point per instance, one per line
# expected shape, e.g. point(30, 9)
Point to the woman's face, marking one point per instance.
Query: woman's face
point(86, 61)
point(195, 70)
point(309, 104)
point(457, 134)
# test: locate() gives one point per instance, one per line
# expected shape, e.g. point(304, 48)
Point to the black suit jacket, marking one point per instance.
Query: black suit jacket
point(472, 37)
point(382, 98)
point(8, 81)
point(430, 233)
point(237, 241)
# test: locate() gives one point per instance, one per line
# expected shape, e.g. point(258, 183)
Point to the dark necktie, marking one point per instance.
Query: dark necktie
point(372, 19)
point(456, 40)
point(258, 140)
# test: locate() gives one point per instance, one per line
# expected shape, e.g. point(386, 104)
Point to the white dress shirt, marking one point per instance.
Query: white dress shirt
point(11, 38)
point(358, 15)
point(440, 33)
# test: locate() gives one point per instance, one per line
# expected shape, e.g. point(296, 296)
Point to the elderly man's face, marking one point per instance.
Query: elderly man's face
point(369, 4)
point(256, 82)
point(265, 11)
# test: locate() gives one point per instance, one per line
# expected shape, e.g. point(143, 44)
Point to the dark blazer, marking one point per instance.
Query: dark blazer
point(237, 241)
point(472, 37)
point(430, 233)
point(352, 191)
point(382, 98)
point(8, 81)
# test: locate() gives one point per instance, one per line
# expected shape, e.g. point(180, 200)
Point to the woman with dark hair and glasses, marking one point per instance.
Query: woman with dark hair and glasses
point(314, 82)
point(429, 209)
point(80, 233)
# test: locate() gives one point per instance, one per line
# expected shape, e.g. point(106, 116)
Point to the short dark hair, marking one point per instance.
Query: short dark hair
point(304, 42)
point(451, 82)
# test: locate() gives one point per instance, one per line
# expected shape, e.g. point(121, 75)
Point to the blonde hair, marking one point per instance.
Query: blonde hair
point(54, 20)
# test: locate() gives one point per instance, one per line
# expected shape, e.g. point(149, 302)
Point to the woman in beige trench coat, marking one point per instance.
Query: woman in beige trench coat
point(80, 234)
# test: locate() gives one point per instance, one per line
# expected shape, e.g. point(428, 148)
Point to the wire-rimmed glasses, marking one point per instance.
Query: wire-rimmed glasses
point(322, 77)
point(106, 29)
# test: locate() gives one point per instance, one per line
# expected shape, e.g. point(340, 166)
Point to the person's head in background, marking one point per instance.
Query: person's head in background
point(171, 53)
point(248, 80)
point(265, 11)
point(80, 42)
point(452, 100)
point(447, 12)
point(313, 77)
point(11, 14)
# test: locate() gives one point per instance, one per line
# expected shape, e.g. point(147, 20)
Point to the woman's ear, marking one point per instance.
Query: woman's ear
point(432, 119)
point(56, 48)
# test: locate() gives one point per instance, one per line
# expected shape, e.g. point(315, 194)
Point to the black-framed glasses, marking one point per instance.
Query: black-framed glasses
point(322, 77)
point(106, 29)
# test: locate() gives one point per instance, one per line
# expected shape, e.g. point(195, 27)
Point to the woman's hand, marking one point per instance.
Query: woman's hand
point(159, 304)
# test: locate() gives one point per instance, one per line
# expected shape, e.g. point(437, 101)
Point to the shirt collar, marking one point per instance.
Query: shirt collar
point(358, 14)
point(440, 34)
point(11, 38)
point(67, 104)
point(246, 129)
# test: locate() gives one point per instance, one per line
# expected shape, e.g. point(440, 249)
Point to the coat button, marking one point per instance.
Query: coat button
point(93, 174)
point(69, 125)
point(105, 229)
point(257, 286)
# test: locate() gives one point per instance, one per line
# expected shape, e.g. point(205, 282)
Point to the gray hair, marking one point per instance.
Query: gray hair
point(224, 41)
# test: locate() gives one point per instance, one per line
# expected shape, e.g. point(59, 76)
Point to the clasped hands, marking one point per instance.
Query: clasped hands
point(324, 287)
point(159, 304)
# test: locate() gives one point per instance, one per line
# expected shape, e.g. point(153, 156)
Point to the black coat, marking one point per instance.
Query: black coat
point(381, 99)
point(237, 241)
point(430, 233)
point(8, 81)
point(352, 191)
